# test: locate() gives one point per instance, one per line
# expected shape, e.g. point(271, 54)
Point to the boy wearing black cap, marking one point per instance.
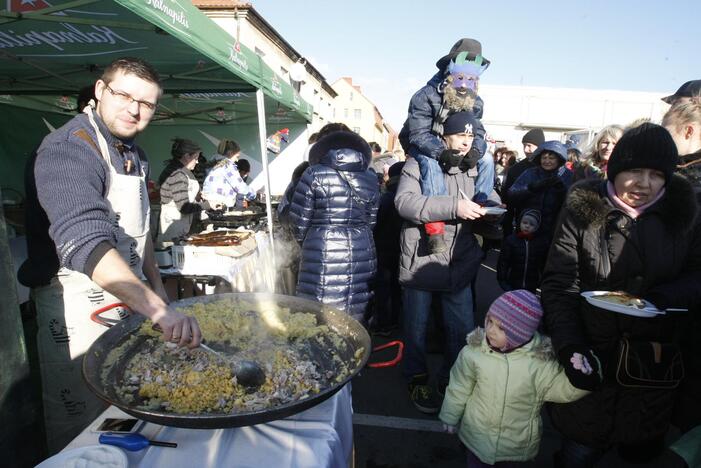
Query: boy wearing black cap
point(452, 89)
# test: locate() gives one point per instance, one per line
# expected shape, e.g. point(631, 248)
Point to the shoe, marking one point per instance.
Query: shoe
point(436, 244)
point(423, 396)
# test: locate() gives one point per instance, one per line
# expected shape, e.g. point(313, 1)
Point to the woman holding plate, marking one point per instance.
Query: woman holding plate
point(635, 232)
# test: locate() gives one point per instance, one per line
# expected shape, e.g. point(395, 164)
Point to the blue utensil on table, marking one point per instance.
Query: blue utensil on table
point(131, 442)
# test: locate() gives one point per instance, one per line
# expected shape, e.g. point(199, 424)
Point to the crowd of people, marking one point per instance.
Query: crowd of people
point(381, 238)
point(619, 216)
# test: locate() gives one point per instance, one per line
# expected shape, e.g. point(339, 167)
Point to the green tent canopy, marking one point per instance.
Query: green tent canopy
point(50, 49)
point(59, 47)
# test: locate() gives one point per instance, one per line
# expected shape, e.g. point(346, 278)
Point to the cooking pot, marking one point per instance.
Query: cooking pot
point(353, 348)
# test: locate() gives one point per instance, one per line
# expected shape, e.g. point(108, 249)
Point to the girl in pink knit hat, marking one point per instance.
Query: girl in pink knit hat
point(500, 382)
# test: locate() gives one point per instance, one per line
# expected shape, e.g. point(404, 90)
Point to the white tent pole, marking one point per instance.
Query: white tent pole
point(264, 159)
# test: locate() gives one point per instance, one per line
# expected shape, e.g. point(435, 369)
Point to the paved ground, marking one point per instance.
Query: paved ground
point(390, 432)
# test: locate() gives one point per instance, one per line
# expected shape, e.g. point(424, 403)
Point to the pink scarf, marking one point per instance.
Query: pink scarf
point(624, 207)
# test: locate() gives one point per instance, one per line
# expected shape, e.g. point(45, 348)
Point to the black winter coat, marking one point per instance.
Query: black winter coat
point(511, 175)
point(547, 200)
point(656, 256)
point(521, 261)
point(333, 211)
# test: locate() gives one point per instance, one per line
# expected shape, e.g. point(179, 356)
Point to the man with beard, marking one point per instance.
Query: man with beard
point(453, 89)
point(89, 244)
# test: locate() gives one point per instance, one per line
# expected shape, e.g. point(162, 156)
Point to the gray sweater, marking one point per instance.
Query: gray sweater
point(70, 181)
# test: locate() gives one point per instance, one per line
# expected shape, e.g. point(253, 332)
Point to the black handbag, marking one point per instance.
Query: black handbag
point(649, 364)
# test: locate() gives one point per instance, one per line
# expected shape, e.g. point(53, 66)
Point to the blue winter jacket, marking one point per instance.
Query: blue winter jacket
point(332, 214)
point(424, 106)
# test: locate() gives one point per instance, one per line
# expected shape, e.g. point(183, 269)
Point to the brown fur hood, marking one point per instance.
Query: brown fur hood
point(588, 203)
point(540, 346)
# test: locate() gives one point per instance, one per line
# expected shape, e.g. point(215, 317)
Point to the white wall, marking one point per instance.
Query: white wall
point(510, 111)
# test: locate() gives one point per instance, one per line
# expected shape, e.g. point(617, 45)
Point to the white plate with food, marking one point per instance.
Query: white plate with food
point(622, 302)
point(494, 210)
point(91, 456)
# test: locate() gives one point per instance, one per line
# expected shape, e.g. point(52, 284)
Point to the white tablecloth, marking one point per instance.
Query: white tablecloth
point(319, 437)
point(253, 272)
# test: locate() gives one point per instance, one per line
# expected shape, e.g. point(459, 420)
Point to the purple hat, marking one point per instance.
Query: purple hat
point(519, 312)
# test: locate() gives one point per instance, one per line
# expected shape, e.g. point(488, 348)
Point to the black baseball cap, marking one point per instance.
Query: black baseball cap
point(688, 89)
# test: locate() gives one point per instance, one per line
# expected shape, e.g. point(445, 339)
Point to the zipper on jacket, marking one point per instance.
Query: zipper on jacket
point(525, 266)
point(503, 406)
point(605, 255)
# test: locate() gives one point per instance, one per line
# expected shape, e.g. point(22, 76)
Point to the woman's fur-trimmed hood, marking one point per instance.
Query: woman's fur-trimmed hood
point(540, 345)
point(589, 204)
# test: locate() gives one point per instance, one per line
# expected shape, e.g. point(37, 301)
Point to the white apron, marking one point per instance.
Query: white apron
point(65, 330)
point(173, 223)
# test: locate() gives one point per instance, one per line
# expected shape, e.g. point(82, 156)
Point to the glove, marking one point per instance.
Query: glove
point(582, 367)
point(542, 184)
point(449, 429)
point(470, 160)
point(449, 158)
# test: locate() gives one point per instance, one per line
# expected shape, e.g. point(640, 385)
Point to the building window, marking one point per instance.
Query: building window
point(259, 52)
point(345, 113)
point(356, 130)
point(333, 113)
point(357, 115)
point(284, 71)
point(351, 96)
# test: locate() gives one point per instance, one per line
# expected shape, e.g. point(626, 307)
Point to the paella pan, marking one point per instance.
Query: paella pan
point(308, 351)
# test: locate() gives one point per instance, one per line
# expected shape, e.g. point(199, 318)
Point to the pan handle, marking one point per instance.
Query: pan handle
point(95, 315)
point(400, 351)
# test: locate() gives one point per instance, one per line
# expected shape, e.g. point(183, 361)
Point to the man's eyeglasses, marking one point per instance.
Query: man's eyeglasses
point(127, 99)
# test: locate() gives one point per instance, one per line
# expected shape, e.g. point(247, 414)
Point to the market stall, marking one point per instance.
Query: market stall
point(211, 81)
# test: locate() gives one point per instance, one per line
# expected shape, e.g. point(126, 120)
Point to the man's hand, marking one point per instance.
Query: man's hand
point(449, 158)
point(470, 160)
point(467, 209)
point(178, 328)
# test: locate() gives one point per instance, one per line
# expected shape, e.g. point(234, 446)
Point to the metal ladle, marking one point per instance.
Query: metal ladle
point(247, 373)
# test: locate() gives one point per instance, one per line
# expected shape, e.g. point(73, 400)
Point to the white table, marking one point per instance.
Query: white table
point(253, 272)
point(319, 437)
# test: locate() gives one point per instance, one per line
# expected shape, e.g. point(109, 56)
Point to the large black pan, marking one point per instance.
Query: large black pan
point(354, 336)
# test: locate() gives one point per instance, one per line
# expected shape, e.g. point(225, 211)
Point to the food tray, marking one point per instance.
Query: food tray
point(204, 257)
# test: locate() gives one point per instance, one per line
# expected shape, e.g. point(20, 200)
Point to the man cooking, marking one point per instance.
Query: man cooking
point(90, 180)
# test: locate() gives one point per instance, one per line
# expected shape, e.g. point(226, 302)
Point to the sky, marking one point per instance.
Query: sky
point(389, 47)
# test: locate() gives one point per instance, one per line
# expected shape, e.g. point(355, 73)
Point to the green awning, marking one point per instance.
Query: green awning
point(57, 47)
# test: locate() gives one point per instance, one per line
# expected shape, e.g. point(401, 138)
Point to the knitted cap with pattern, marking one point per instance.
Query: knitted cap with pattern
point(519, 312)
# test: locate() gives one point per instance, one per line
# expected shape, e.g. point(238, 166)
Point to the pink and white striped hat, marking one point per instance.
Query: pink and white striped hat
point(519, 312)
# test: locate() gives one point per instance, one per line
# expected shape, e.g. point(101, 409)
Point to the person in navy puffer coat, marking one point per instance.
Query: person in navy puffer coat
point(544, 186)
point(333, 212)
